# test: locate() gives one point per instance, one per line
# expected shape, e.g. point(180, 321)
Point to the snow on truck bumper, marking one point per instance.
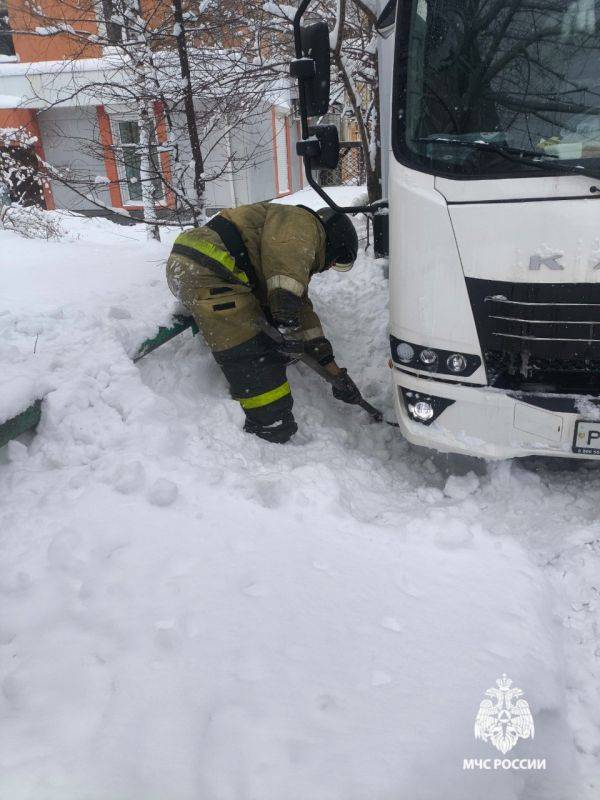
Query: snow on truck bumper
point(484, 422)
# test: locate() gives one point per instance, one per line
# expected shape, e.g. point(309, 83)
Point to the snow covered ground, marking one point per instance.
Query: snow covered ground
point(189, 612)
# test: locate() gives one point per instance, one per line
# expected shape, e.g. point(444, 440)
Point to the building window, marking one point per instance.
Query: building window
point(114, 31)
point(7, 47)
point(126, 134)
point(115, 20)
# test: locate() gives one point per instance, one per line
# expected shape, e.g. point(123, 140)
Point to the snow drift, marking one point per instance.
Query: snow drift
point(187, 611)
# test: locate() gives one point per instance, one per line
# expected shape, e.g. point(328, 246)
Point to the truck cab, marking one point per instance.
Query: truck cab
point(495, 241)
point(491, 140)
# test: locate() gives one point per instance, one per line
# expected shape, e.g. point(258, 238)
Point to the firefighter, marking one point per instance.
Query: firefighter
point(252, 265)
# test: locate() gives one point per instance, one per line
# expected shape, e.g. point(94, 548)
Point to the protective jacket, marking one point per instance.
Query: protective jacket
point(286, 246)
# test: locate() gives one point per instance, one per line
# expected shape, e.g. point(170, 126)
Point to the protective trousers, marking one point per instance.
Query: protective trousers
point(204, 276)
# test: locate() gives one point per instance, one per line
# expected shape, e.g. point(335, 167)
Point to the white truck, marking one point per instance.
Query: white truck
point(492, 152)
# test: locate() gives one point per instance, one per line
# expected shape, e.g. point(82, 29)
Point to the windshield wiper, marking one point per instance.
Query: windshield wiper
point(491, 146)
point(531, 158)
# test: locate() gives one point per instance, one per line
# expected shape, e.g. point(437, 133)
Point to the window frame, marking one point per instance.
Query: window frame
point(6, 33)
point(108, 28)
point(118, 146)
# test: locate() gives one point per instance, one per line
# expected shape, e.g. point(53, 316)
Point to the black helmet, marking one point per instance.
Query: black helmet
point(341, 248)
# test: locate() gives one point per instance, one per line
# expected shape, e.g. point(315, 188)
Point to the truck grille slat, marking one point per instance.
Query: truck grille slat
point(544, 338)
point(545, 321)
point(539, 332)
point(523, 303)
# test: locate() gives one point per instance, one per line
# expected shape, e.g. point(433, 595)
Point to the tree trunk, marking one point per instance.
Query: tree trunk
point(190, 115)
point(375, 188)
point(373, 179)
point(147, 173)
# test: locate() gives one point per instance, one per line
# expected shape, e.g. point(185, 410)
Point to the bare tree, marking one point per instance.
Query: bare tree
point(200, 62)
point(355, 84)
point(22, 178)
point(356, 60)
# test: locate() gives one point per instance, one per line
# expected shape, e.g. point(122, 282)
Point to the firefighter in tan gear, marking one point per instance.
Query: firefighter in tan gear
point(253, 264)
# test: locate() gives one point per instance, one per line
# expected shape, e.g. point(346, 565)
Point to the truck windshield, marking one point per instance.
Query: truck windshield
point(519, 74)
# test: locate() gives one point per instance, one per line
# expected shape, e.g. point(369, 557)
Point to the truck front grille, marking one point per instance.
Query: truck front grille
point(539, 333)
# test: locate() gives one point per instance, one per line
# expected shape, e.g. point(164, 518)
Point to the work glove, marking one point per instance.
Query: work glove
point(285, 308)
point(292, 342)
point(346, 390)
point(320, 349)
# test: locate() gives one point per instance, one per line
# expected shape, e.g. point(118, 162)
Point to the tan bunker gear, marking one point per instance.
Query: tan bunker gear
point(245, 265)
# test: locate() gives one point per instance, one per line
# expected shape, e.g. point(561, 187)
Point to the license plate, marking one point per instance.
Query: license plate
point(587, 438)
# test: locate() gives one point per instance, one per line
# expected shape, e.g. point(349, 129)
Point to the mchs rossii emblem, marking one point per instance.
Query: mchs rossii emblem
point(504, 716)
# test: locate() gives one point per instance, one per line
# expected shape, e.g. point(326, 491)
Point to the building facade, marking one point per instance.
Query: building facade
point(52, 87)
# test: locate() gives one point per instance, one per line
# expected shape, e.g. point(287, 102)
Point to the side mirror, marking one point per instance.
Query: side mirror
point(322, 147)
point(387, 19)
point(313, 69)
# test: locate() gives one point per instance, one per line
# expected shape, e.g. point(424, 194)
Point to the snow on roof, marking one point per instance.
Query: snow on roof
point(10, 101)
point(93, 81)
point(52, 67)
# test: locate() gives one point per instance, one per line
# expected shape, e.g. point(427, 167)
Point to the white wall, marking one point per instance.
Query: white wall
point(70, 137)
point(67, 134)
point(256, 180)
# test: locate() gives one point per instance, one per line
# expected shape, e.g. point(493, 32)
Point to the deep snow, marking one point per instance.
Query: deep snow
point(190, 612)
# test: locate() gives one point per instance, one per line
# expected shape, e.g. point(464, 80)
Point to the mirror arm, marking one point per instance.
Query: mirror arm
point(367, 209)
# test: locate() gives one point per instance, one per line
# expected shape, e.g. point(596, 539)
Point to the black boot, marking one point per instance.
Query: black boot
point(277, 432)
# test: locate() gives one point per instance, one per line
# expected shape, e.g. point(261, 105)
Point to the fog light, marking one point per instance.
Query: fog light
point(423, 408)
point(405, 352)
point(423, 411)
point(428, 357)
point(456, 362)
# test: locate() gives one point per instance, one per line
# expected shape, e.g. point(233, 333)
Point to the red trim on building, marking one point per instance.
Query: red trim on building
point(26, 118)
point(110, 165)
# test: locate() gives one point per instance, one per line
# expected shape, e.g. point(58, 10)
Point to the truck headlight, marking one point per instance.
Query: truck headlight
point(405, 352)
point(430, 359)
point(456, 362)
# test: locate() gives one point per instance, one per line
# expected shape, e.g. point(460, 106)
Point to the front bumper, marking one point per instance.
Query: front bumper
point(487, 423)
